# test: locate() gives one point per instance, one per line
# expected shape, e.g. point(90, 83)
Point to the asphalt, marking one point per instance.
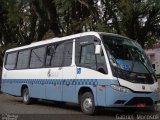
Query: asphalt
point(12, 107)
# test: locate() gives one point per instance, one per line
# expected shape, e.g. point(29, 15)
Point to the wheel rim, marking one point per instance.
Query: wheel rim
point(25, 96)
point(87, 104)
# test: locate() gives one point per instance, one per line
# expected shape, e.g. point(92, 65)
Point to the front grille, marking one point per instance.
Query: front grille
point(140, 100)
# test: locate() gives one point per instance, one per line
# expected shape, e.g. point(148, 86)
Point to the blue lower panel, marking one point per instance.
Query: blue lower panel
point(52, 89)
point(112, 96)
point(37, 91)
point(69, 93)
point(11, 88)
point(7, 88)
point(67, 90)
point(101, 95)
point(54, 92)
point(101, 91)
point(16, 89)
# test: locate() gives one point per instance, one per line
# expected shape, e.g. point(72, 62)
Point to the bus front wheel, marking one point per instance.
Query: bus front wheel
point(26, 98)
point(87, 103)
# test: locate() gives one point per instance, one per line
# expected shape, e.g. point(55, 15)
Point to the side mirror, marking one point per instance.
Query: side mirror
point(98, 49)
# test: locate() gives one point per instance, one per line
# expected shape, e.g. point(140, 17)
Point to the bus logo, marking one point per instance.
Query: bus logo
point(143, 87)
point(49, 73)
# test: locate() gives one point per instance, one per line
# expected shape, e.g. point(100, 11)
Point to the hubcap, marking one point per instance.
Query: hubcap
point(87, 104)
point(26, 96)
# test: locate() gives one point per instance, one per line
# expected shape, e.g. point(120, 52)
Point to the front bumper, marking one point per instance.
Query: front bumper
point(116, 98)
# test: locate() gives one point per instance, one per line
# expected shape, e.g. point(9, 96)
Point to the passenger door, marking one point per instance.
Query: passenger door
point(89, 73)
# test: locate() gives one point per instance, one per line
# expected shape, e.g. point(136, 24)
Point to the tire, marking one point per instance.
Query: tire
point(87, 103)
point(26, 98)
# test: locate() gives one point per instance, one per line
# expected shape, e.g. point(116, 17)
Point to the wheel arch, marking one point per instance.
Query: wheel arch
point(23, 87)
point(102, 70)
point(84, 89)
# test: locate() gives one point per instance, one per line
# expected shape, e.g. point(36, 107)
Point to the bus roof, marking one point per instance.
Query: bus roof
point(113, 34)
point(58, 39)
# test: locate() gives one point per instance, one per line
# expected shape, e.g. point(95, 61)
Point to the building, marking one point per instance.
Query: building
point(154, 56)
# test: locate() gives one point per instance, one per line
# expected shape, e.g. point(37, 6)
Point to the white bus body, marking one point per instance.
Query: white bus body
point(91, 68)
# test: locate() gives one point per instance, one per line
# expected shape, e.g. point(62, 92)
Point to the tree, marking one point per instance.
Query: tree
point(140, 20)
point(25, 21)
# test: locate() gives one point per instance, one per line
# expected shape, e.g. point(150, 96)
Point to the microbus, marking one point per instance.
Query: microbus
point(92, 69)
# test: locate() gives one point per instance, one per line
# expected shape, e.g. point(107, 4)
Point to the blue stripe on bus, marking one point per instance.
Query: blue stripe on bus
point(53, 81)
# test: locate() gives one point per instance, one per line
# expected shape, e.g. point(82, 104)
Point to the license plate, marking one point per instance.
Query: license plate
point(141, 105)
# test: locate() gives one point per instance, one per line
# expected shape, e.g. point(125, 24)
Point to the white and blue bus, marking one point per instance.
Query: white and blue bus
point(93, 69)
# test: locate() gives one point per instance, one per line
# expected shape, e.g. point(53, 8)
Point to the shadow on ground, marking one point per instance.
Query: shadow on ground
point(101, 111)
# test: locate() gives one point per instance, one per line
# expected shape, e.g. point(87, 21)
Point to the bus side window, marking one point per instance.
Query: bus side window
point(58, 55)
point(11, 60)
point(68, 53)
point(88, 58)
point(37, 57)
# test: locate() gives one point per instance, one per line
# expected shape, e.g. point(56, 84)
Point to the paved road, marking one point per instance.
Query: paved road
point(12, 107)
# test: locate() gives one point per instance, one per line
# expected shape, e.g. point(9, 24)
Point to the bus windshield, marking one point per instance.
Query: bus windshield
point(127, 58)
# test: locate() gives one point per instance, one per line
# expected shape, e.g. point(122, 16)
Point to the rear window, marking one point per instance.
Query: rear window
point(11, 60)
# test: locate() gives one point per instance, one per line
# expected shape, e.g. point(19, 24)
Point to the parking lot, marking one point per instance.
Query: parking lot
point(13, 107)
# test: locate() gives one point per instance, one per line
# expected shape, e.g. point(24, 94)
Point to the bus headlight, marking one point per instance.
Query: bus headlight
point(120, 88)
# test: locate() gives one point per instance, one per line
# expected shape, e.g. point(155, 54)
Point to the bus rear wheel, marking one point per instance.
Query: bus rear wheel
point(87, 103)
point(26, 98)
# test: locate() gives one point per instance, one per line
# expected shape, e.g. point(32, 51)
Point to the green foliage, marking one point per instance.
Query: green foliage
point(25, 21)
point(63, 5)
